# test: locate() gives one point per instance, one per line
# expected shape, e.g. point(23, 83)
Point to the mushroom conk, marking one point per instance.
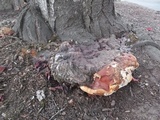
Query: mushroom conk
point(113, 76)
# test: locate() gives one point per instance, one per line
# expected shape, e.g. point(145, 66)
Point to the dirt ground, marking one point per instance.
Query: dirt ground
point(137, 101)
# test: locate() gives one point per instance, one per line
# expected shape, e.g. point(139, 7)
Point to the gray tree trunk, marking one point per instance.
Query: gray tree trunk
point(11, 4)
point(80, 20)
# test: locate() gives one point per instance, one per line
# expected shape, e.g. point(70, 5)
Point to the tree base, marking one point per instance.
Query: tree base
point(82, 21)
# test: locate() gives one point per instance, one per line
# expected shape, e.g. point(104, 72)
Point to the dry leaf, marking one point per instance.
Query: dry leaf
point(7, 31)
point(2, 68)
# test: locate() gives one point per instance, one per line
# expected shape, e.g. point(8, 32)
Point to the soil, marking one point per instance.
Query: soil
point(20, 81)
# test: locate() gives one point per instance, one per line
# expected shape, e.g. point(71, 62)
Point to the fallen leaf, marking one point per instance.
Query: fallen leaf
point(1, 98)
point(7, 31)
point(31, 52)
point(149, 29)
point(1, 34)
point(2, 68)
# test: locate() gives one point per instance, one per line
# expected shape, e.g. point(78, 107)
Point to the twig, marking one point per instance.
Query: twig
point(13, 43)
point(57, 113)
point(96, 118)
point(12, 37)
point(53, 44)
point(55, 103)
point(131, 91)
point(1, 89)
point(39, 111)
point(145, 43)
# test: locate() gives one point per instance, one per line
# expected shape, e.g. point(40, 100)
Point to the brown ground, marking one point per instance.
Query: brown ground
point(137, 101)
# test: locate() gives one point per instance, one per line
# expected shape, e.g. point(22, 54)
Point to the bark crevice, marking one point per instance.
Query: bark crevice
point(82, 21)
point(31, 26)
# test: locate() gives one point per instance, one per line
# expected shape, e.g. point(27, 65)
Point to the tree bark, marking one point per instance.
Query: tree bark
point(80, 20)
point(11, 4)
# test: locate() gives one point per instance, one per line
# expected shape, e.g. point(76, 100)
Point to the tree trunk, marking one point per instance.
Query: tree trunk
point(11, 4)
point(80, 20)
